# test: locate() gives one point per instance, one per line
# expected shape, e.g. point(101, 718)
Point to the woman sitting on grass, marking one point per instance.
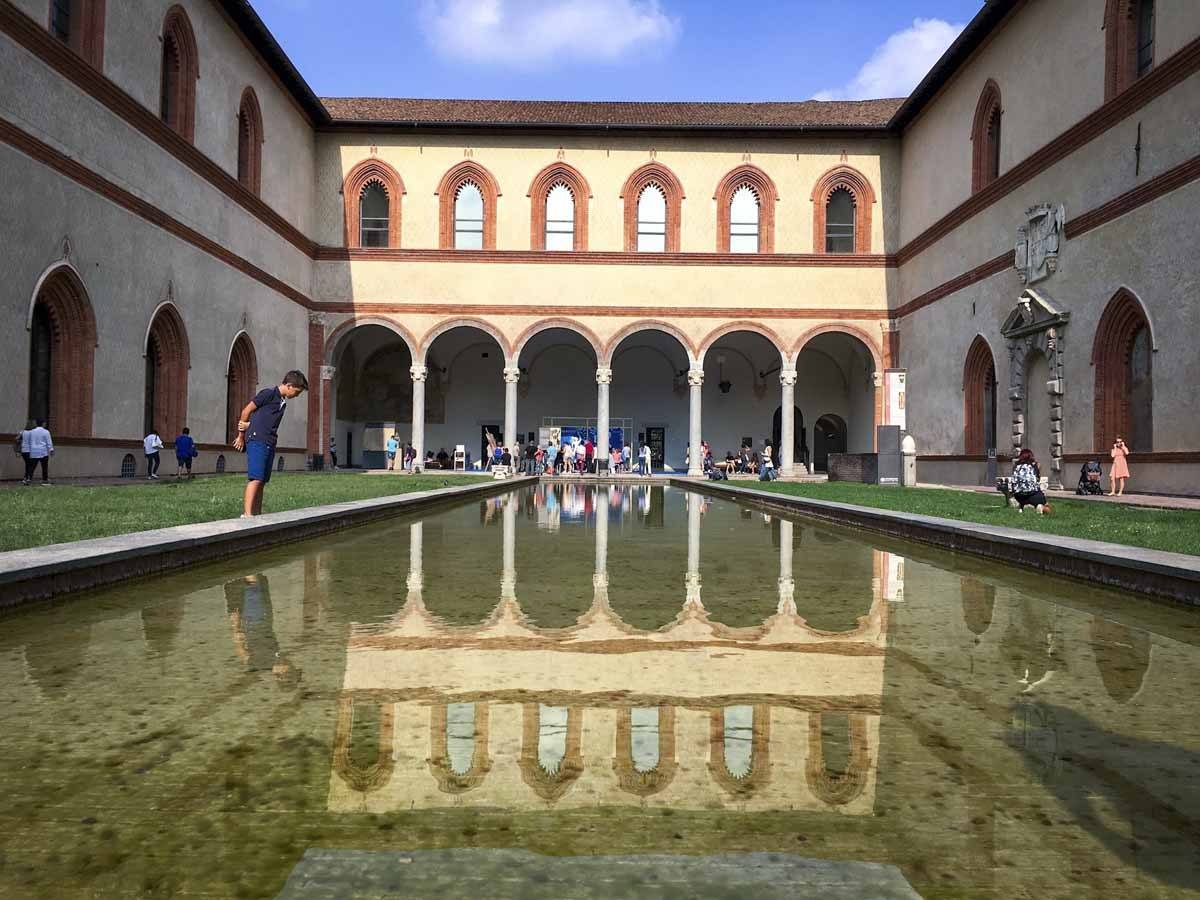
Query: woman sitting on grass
point(1026, 484)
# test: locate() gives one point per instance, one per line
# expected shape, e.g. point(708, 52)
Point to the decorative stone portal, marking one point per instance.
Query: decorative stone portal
point(1034, 331)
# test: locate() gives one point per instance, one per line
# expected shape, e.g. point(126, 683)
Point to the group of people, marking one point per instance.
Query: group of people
point(747, 461)
point(406, 454)
point(35, 446)
point(1025, 487)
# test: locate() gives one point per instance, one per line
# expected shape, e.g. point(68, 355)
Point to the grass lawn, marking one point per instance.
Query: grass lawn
point(1158, 529)
point(36, 516)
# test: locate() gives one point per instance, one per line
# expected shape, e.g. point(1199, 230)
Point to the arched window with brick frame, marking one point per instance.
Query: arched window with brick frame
point(1124, 385)
point(842, 205)
point(62, 349)
point(241, 382)
point(985, 138)
point(1128, 43)
point(180, 70)
point(80, 25)
point(741, 229)
point(458, 227)
point(657, 177)
point(167, 362)
point(371, 196)
point(558, 220)
point(250, 140)
point(979, 399)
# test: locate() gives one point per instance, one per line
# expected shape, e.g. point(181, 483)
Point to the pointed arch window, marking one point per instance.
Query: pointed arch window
point(1128, 43)
point(746, 199)
point(1124, 384)
point(374, 215)
point(468, 196)
point(560, 218)
point(559, 196)
point(842, 206)
point(250, 139)
point(652, 220)
point(743, 221)
point(180, 70)
point(372, 192)
point(979, 399)
point(62, 348)
point(80, 25)
point(653, 200)
point(167, 364)
point(241, 382)
point(985, 138)
point(468, 217)
point(839, 222)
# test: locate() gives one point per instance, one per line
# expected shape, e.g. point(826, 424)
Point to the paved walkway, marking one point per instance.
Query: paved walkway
point(1154, 501)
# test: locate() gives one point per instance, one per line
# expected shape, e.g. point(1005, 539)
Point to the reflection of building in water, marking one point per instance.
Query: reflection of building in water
point(695, 714)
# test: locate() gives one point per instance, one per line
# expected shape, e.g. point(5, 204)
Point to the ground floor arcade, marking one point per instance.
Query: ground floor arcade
point(443, 384)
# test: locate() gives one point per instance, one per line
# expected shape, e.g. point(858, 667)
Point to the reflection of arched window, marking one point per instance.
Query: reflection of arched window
point(1122, 656)
point(838, 756)
point(653, 200)
point(558, 197)
point(241, 383)
point(652, 220)
point(842, 204)
point(985, 138)
point(250, 138)
point(80, 25)
point(746, 200)
point(62, 346)
point(467, 197)
point(458, 745)
point(167, 362)
point(1124, 386)
point(1128, 43)
point(551, 748)
point(739, 748)
point(180, 69)
point(371, 194)
point(362, 744)
point(979, 399)
point(978, 604)
point(645, 761)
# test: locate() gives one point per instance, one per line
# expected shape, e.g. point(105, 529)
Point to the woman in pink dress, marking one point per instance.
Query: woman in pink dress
point(1120, 468)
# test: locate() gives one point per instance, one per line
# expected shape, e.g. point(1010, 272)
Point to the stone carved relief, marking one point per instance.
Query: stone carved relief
point(1036, 255)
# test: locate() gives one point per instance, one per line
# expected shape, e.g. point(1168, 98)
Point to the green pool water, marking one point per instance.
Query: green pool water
point(618, 671)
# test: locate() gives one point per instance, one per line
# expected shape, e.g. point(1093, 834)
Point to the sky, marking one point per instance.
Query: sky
point(615, 49)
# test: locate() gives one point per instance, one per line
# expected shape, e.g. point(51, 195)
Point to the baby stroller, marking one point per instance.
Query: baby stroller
point(1089, 479)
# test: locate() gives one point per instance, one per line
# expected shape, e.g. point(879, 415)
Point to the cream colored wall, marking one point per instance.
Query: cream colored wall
point(699, 164)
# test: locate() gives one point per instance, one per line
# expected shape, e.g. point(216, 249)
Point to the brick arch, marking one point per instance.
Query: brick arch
point(1120, 45)
point(61, 293)
point(614, 342)
point(840, 788)
point(979, 366)
point(369, 778)
point(645, 784)
point(241, 375)
point(449, 781)
point(86, 32)
point(450, 324)
point(743, 325)
point(550, 786)
point(760, 753)
point(558, 173)
point(1120, 322)
point(849, 179)
point(985, 137)
point(764, 189)
point(339, 333)
point(568, 325)
point(356, 181)
point(841, 328)
point(166, 349)
point(653, 173)
point(447, 192)
point(180, 72)
point(250, 141)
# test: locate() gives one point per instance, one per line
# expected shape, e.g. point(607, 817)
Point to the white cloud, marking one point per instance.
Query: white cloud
point(529, 34)
point(899, 63)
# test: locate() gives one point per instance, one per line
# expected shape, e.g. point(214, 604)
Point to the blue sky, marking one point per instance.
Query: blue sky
point(615, 49)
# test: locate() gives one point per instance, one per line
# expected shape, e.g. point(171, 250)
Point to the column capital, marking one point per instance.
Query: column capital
point(327, 372)
point(512, 374)
point(317, 318)
point(787, 377)
point(604, 375)
point(695, 377)
point(418, 373)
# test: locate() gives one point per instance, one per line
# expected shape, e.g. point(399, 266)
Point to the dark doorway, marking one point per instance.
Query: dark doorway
point(799, 442)
point(656, 438)
point(829, 436)
point(40, 349)
point(349, 450)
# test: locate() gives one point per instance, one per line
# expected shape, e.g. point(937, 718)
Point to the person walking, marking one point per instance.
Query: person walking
point(258, 432)
point(1120, 468)
point(185, 452)
point(392, 446)
point(41, 448)
point(21, 448)
point(646, 458)
point(152, 443)
point(333, 451)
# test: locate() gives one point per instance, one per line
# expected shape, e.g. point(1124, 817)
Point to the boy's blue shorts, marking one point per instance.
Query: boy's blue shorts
point(260, 457)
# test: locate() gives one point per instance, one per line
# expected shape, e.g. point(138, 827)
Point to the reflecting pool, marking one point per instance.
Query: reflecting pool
point(579, 670)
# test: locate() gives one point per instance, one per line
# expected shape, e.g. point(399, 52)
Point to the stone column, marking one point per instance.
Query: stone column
point(603, 380)
point(416, 576)
point(512, 374)
point(508, 575)
point(691, 581)
point(696, 387)
point(787, 415)
point(787, 585)
point(326, 429)
point(418, 416)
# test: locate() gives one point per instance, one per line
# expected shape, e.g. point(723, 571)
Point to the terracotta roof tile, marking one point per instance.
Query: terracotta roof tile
point(551, 113)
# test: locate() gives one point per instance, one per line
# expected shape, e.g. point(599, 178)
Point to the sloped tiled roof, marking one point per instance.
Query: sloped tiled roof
point(593, 114)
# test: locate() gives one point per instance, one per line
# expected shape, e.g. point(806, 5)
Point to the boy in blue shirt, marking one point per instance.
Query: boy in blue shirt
point(185, 452)
point(258, 432)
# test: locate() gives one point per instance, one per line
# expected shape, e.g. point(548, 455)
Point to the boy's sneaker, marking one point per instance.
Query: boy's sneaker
point(1040, 509)
point(45, 484)
point(25, 481)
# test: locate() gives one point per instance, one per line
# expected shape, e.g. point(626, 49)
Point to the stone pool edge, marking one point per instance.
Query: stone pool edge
point(41, 573)
point(1172, 576)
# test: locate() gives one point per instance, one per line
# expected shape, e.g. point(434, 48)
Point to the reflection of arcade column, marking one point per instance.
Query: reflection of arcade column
point(787, 429)
point(691, 581)
point(787, 585)
point(603, 380)
point(418, 417)
point(512, 374)
point(508, 577)
point(696, 384)
point(416, 576)
point(600, 576)
point(887, 576)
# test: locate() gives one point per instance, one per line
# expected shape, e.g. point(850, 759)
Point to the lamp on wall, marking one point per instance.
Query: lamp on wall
point(724, 384)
